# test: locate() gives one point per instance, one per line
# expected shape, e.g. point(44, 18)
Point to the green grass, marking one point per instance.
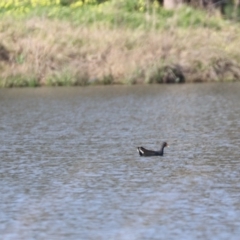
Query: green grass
point(19, 81)
point(118, 14)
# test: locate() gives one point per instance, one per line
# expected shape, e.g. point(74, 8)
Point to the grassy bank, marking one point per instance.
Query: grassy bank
point(112, 43)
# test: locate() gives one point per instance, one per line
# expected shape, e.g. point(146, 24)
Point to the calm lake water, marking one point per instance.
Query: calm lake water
point(69, 168)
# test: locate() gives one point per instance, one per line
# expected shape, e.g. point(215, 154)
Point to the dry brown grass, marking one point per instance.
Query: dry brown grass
point(47, 52)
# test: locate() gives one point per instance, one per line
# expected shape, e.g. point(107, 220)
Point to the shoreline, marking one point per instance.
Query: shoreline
point(39, 51)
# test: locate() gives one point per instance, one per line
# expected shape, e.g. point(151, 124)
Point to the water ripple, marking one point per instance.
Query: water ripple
point(70, 169)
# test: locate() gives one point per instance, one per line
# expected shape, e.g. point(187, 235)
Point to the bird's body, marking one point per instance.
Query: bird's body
point(143, 152)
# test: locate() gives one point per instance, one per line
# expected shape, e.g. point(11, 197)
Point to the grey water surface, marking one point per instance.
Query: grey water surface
point(69, 167)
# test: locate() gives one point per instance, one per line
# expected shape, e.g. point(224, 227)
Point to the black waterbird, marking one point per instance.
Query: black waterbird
point(143, 152)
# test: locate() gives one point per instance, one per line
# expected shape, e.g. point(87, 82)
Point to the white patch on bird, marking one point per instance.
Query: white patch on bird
point(140, 150)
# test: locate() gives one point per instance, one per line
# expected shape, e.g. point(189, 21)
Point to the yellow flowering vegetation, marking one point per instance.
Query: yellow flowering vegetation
point(24, 6)
point(33, 3)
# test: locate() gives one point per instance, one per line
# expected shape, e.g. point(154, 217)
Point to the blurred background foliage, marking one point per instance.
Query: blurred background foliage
point(230, 9)
point(81, 42)
point(131, 13)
